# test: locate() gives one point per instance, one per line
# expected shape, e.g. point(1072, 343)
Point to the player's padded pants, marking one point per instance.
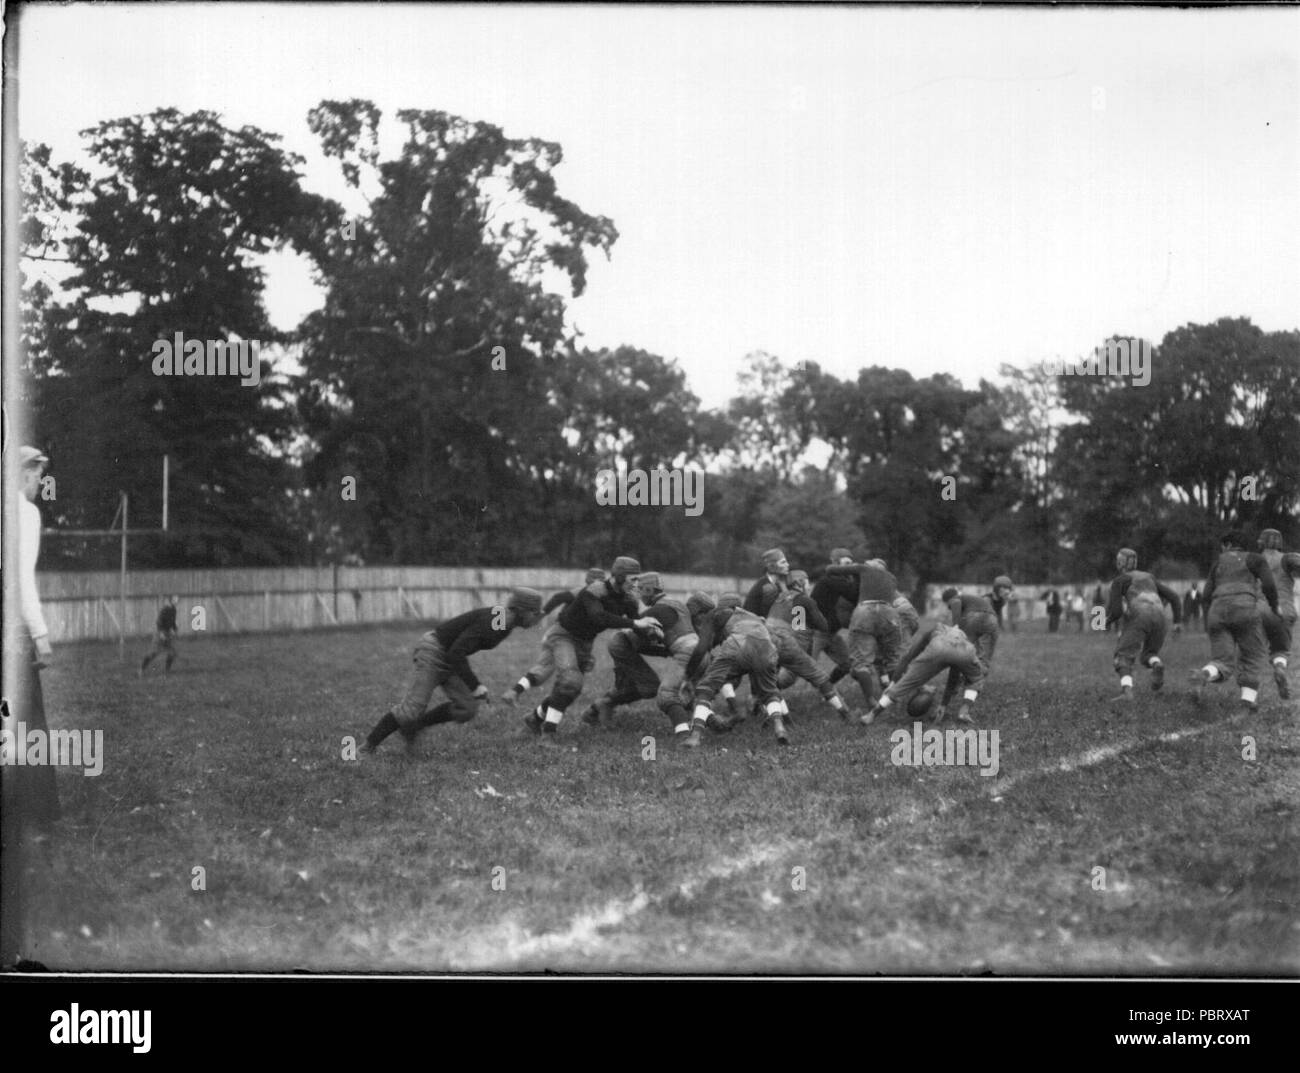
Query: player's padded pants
point(432, 671)
point(795, 662)
point(1278, 629)
point(1234, 623)
point(959, 658)
point(755, 656)
point(574, 657)
point(834, 645)
point(635, 679)
point(1141, 638)
point(542, 670)
point(874, 636)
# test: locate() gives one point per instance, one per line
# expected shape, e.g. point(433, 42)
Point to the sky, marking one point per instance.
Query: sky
point(935, 190)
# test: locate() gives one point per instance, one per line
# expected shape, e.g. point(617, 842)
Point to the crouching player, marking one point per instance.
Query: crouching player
point(1143, 630)
point(975, 617)
point(634, 678)
point(743, 647)
point(791, 621)
point(441, 659)
point(935, 648)
point(602, 605)
point(540, 672)
point(1279, 625)
point(874, 633)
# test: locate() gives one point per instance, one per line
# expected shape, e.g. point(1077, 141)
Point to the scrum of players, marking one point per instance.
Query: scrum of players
point(691, 655)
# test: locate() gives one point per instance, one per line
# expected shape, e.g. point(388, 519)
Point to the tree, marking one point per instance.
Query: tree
point(160, 238)
point(438, 340)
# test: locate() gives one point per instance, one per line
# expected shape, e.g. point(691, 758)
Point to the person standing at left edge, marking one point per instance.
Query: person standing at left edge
point(441, 659)
point(29, 798)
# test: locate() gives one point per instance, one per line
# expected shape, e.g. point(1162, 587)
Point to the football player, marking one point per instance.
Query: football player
point(602, 605)
point(874, 633)
point(743, 647)
point(1234, 624)
point(442, 659)
point(541, 671)
point(975, 617)
point(1279, 626)
point(1135, 597)
point(935, 648)
point(790, 622)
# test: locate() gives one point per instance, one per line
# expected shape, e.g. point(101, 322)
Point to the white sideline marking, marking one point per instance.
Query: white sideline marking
point(507, 943)
point(1092, 757)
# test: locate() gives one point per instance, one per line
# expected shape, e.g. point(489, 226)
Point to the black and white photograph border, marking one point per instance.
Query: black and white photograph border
point(438, 440)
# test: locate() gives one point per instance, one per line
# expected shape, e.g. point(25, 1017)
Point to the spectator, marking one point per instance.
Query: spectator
point(1077, 609)
point(1052, 598)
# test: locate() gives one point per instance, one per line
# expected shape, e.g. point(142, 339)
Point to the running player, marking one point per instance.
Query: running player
point(1135, 597)
point(1233, 621)
point(442, 659)
point(602, 605)
point(164, 637)
point(1279, 626)
point(541, 671)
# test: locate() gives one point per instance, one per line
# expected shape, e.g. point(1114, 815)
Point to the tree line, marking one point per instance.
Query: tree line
point(438, 409)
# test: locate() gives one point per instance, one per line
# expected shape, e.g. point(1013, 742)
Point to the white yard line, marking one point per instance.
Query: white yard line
point(503, 945)
point(1092, 757)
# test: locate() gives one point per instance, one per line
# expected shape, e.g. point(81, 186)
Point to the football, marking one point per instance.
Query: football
point(921, 703)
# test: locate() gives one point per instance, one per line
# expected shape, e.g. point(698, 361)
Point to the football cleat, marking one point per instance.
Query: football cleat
point(1157, 677)
point(549, 739)
point(1279, 677)
point(691, 740)
point(1199, 680)
point(719, 724)
point(533, 721)
point(509, 696)
point(778, 725)
point(964, 716)
point(1125, 696)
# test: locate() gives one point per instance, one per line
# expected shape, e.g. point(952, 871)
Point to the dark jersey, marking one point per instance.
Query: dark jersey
point(762, 594)
point(598, 607)
point(783, 613)
point(1235, 574)
point(462, 636)
point(873, 583)
point(833, 597)
point(673, 618)
point(1138, 586)
point(167, 618)
point(961, 606)
point(560, 599)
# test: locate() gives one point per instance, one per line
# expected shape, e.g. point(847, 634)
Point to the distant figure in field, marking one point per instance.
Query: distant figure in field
point(164, 636)
point(1077, 609)
point(1052, 599)
point(1192, 604)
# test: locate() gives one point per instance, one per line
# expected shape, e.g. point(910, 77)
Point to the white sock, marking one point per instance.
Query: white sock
point(1248, 694)
point(1279, 661)
point(682, 728)
point(971, 695)
point(1212, 671)
point(524, 684)
point(785, 708)
point(728, 691)
point(836, 702)
point(554, 715)
point(702, 713)
point(774, 707)
point(1154, 662)
point(1126, 682)
point(885, 701)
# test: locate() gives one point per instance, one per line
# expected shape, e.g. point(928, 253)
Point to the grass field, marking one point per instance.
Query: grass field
point(684, 863)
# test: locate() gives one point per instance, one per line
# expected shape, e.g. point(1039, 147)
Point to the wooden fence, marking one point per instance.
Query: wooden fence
point(87, 606)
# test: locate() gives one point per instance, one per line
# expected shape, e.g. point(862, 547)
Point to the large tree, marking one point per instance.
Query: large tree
point(429, 373)
point(159, 236)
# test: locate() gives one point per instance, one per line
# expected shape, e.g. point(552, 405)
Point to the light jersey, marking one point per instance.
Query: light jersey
point(679, 629)
point(744, 623)
point(1285, 566)
point(1232, 576)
